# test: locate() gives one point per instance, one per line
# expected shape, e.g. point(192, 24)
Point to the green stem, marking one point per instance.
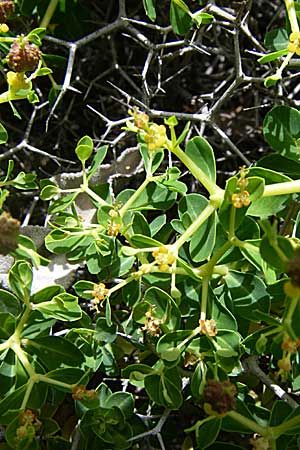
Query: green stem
point(204, 215)
point(5, 345)
point(209, 267)
point(278, 430)
point(290, 7)
point(289, 187)
point(29, 388)
point(22, 322)
point(204, 297)
point(191, 336)
point(7, 39)
point(231, 231)
point(248, 423)
point(47, 380)
point(49, 13)
point(15, 346)
point(93, 195)
point(284, 63)
point(84, 178)
point(198, 173)
point(135, 196)
point(292, 307)
point(120, 285)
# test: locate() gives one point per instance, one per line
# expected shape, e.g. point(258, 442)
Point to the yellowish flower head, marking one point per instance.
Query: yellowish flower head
point(156, 136)
point(294, 45)
point(17, 81)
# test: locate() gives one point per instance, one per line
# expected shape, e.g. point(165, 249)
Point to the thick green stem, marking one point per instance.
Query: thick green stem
point(47, 380)
point(254, 426)
point(204, 297)
point(15, 346)
point(278, 430)
point(290, 7)
point(93, 195)
point(204, 215)
point(29, 388)
point(49, 13)
point(209, 267)
point(195, 332)
point(22, 322)
point(135, 196)
point(211, 187)
point(292, 307)
point(289, 187)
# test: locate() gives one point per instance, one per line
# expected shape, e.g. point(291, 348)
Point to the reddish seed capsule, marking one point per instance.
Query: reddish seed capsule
point(6, 9)
point(9, 231)
point(23, 56)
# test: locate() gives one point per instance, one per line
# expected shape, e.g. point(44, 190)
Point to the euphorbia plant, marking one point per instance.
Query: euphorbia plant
point(185, 297)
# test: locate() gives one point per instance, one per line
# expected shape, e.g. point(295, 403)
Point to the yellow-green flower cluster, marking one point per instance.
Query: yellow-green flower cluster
point(294, 44)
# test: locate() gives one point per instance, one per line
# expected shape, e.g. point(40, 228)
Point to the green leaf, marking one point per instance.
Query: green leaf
point(201, 153)
point(43, 71)
point(198, 380)
point(203, 240)
point(168, 347)
point(272, 80)
point(165, 388)
point(179, 17)
point(200, 18)
point(157, 224)
point(153, 197)
point(36, 35)
point(251, 251)
point(149, 6)
point(62, 203)
point(97, 160)
point(267, 206)
point(60, 241)
point(268, 249)
point(105, 333)
point(279, 413)
point(81, 286)
point(248, 294)
point(272, 56)
point(164, 308)
point(281, 129)
point(137, 373)
point(69, 376)
point(9, 303)
point(281, 164)
point(3, 134)
point(62, 307)
point(46, 294)
point(122, 400)
point(8, 372)
point(24, 181)
point(208, 431)
point(139, 224)
point(84, 148)
point(7, 325)
point(255, 188)
point(276, 39)
point(20, 279)
point(54, 351)
point(49, 191)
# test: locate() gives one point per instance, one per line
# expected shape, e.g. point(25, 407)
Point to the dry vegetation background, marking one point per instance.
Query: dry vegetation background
point(109, 56)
